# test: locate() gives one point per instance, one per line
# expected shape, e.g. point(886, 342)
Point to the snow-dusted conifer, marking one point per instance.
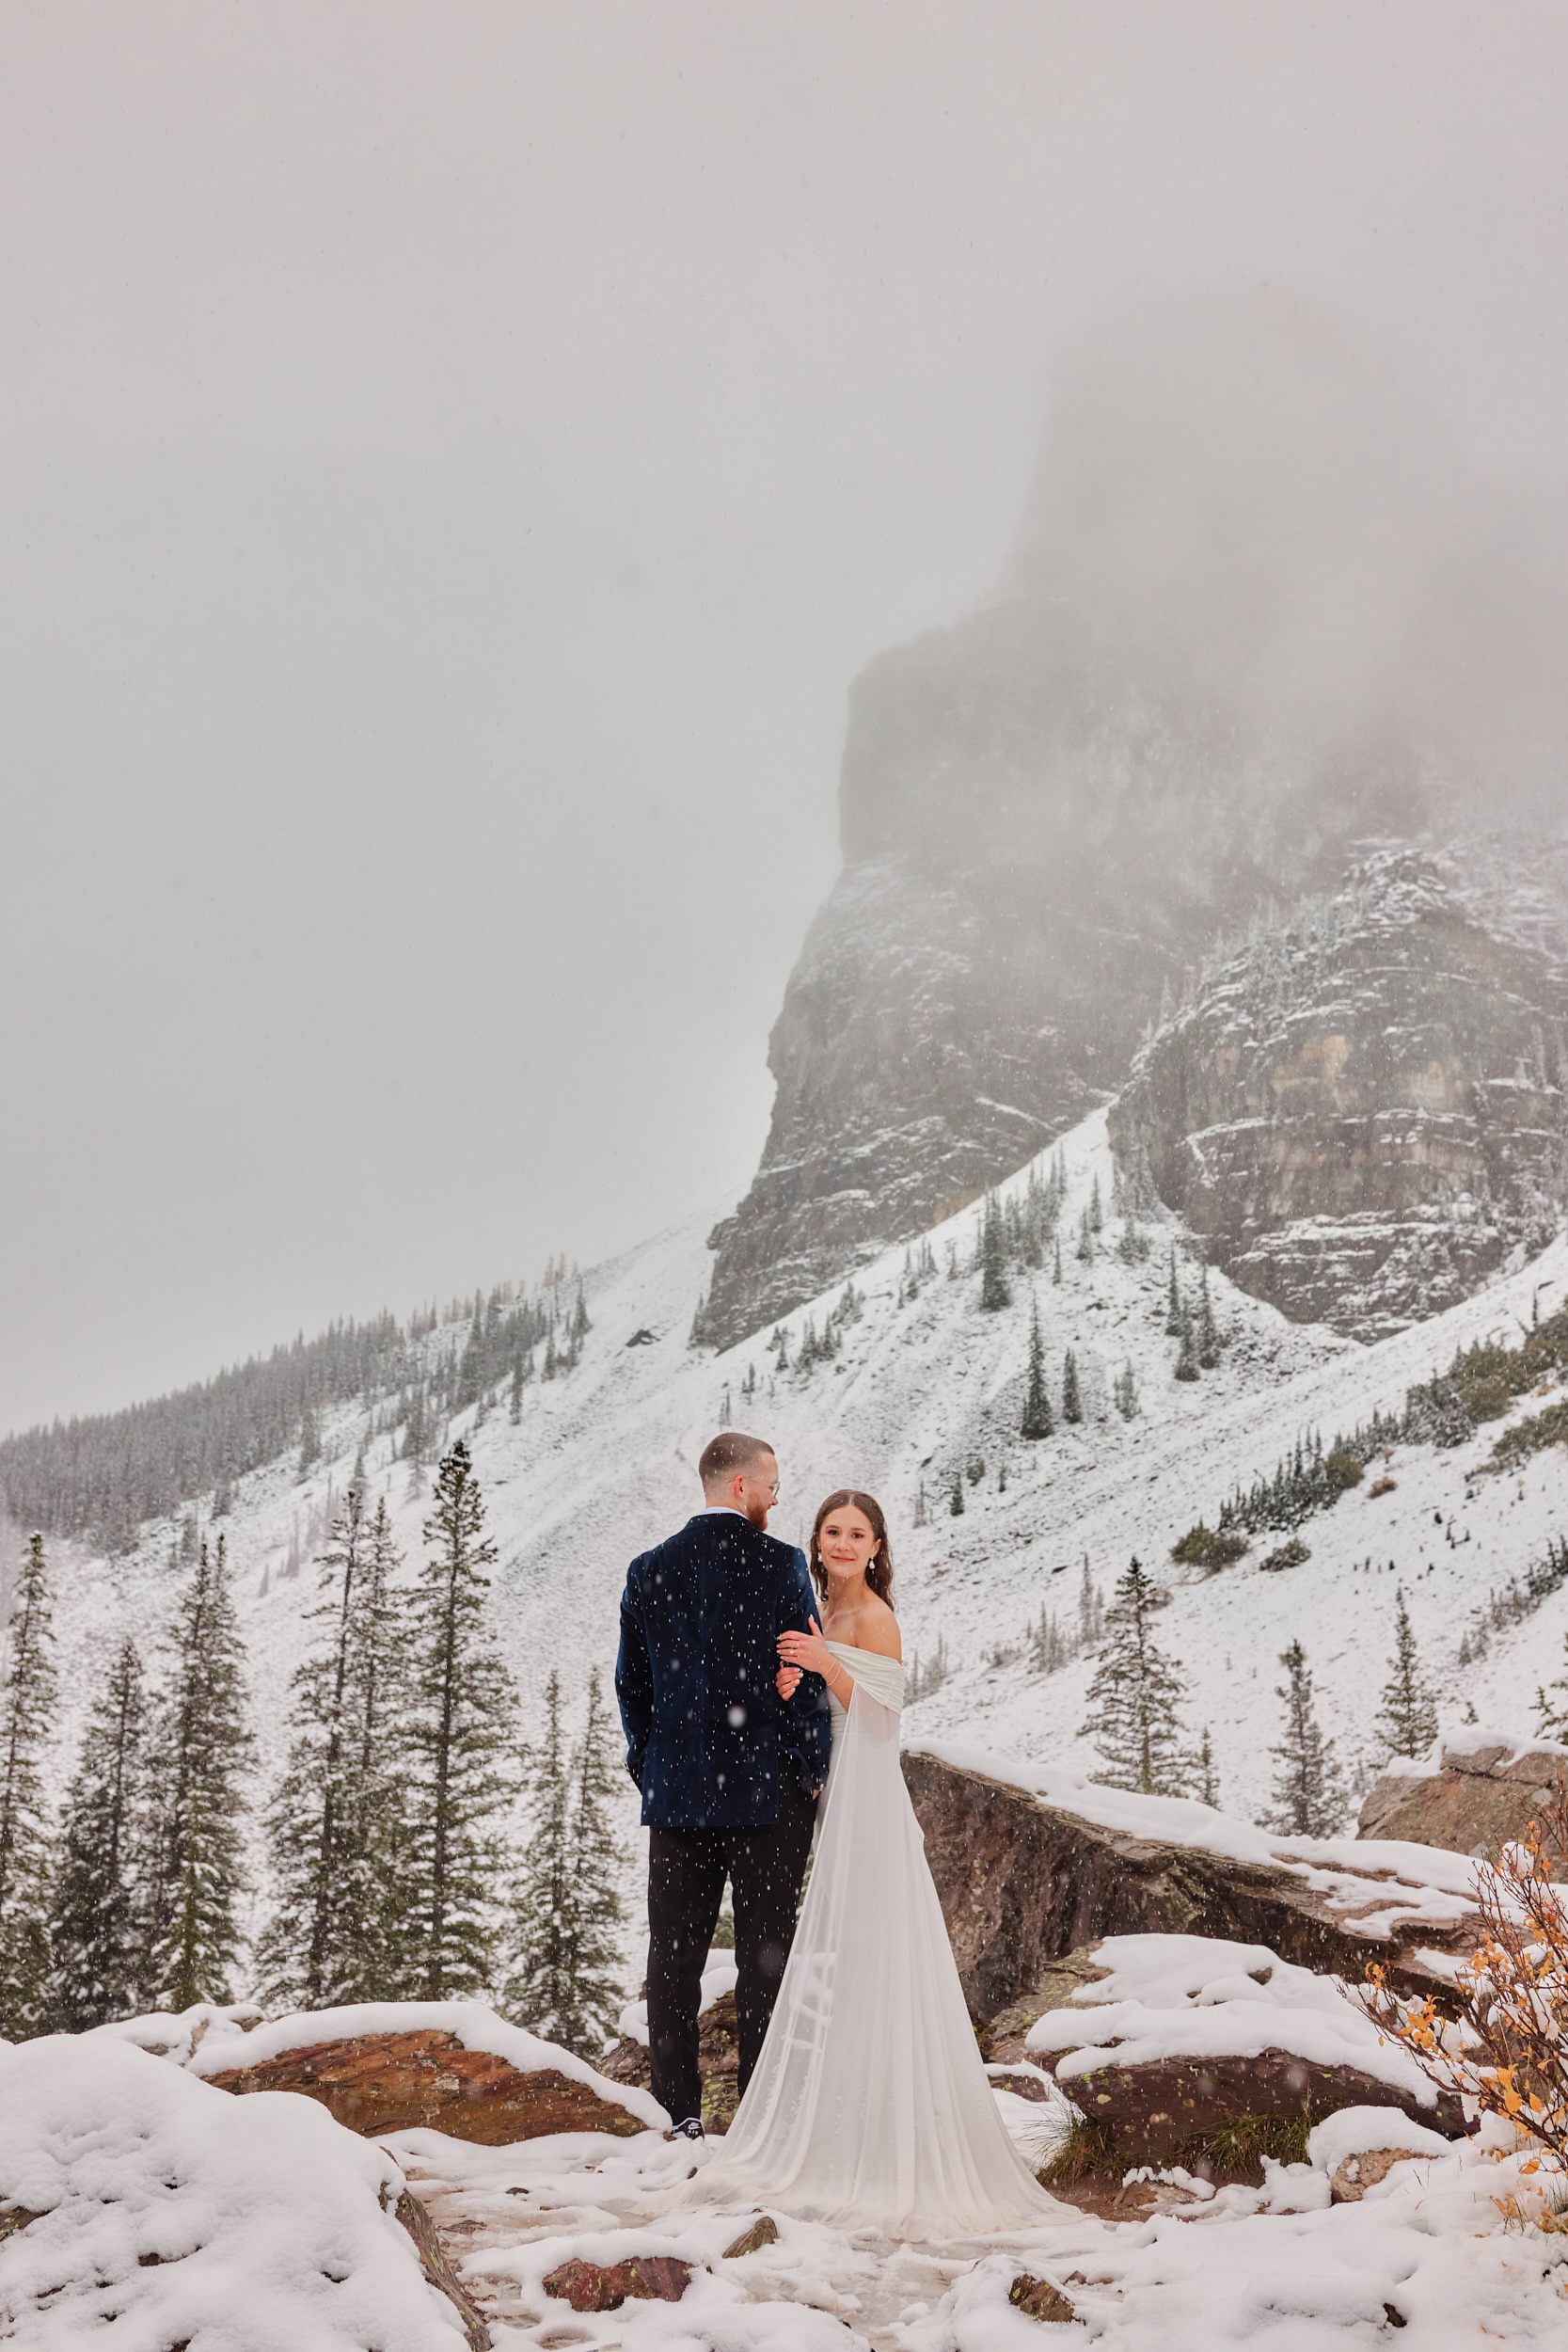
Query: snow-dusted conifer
point(1056, 1263)
point(1085, 1251)
point(1135, 1697)
point(1309, 1791)
point(1552, 1718)
point(1187, 1355)
point(1174, 1316)
point(99, 1927)
point(1125, 1391)
point(1207, 1336)
point(1035, 1422)
point(566, 1981)
point(202, 1755)
point(994, 1293)
point(956, 1496)
point(1407, 1720)
point(1096, 1208)
point(461, 1705)
point(332, 1822)
point(1206, 1779)
point(27, 1697)
point(1072, 1402)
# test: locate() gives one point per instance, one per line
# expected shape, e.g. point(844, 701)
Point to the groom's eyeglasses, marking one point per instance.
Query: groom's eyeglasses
point(773, 1489)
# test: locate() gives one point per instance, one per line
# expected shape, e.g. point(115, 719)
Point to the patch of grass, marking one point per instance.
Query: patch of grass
point(1532, 1436)
point(1086, 2152)
point(1238, 2148)
point(1291, 1555)
point(1201, 1548)
point(1342, 1470)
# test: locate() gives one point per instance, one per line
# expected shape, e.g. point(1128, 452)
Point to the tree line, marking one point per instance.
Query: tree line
point(102, 1476)
point(419, 1849)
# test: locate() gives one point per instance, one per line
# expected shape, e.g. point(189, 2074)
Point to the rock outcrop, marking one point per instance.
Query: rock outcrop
point(1025, 1886)
point(398, 2082)
point(1478, 1800)
point(1165, 2107)
point(1260, 607)
point(1361, 1111)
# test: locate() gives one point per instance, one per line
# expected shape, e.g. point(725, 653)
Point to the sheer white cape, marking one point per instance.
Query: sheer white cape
point(870, 2108)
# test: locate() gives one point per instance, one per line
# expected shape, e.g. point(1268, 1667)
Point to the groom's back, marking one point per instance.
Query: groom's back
point(700, 1623)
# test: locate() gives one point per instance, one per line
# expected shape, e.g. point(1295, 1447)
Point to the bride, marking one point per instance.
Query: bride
point(869, 2107)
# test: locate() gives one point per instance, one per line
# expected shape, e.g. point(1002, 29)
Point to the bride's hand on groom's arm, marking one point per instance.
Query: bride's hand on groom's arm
point(808, 1651)
point(787, 1680)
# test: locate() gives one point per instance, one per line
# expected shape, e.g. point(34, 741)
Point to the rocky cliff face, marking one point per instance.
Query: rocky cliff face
point(1260, 607)
point(1362, 1109)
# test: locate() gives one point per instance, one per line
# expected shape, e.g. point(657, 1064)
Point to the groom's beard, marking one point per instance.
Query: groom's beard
point(757, 1513)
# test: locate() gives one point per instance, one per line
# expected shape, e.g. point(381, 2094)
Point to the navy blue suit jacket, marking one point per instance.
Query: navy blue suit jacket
point(707, 1735)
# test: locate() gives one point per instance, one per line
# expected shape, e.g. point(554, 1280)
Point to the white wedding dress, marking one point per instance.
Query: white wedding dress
point(870, 2108)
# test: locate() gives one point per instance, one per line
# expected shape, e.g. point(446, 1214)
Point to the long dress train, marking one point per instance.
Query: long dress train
point(870, 2108)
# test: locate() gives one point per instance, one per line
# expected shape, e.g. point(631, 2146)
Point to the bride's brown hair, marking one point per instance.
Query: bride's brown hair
point(879, 1569)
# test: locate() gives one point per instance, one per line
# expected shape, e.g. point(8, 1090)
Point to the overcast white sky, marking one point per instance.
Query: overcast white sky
point(453, 458)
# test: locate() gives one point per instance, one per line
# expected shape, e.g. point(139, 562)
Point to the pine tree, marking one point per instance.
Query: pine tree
point(1553, 1719)
point(1408, 1715)
point(99, 1929)
point(1091, 1615)
point(994, 1293)
point(1037, 1421)
point(331, 1823)
point(1187, 1355)
point(956, 1496)
point(1175, 1319)
point(27, 1697)
point(1097, 1212)
point(1056, 1266)
point(566, 1984)
point(201, 1757)
point(1073, 1402)
point(1208, 1788)
point(1085, 1251)
point(1208, 1331)
point(1126, 1393)
point(1309, 1791)
point(461, 1705)
point(1136, 1696)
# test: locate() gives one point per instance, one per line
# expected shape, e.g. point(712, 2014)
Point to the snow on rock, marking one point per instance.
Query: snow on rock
point(1179, 1996)
point(1355, 2131)
point(188, 2218)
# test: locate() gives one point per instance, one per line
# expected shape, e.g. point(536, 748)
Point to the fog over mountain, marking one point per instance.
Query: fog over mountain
point(1264, 611)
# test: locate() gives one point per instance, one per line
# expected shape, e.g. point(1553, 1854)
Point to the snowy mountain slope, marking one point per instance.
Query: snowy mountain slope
point(602, 1463)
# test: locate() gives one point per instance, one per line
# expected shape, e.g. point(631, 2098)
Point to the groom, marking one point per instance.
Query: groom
point(729, 1772)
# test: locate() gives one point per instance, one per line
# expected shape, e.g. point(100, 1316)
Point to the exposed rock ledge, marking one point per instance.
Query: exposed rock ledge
point(1475, 1798)
point(1033, 1863)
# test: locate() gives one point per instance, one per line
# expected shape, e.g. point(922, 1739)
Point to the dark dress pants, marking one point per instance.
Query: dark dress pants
point(686, 1869)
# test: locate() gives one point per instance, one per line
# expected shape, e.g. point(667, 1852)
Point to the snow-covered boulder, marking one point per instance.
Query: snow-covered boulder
point(136, 2194)
point(1476, 1792)
point(391, 2066)
point(1033, 1862)
point(1360, 2147)
point(1185, 2034)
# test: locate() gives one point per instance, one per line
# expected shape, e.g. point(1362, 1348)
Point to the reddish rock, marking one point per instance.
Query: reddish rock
point(395, 2082)
point(1151, 2109)
point(604, 2287)
point(1477, 1803)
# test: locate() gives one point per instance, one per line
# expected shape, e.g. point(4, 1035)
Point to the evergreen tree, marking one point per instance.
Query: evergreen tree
point(332, 1822)
point(1037, 1421)
point(1073, 1402)
point(1208, 1788)
point(1126, 1391)
point(1408, 1716)
point(1085, 1251)
point(1308, 1792)
point(1553, 1719)
point(1174, 1316)
point(566, 1984)
point(1208, 1331)
point(99, 1929)
point(203, 1753)
point(956, 1496)
point(461, 1705)
point(27, 1698)
point(1097, 1212)
point(1136, 1696)
point(1056, 1266)
point(1187, 1355)
point(994, 1293)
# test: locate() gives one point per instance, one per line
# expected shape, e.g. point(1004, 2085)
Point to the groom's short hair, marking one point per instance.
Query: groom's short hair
point(730, 1453)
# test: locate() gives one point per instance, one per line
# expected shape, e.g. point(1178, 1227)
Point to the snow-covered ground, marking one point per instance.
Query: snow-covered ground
point(602, 1464)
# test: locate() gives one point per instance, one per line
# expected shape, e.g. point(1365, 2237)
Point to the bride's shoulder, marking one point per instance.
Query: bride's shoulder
point(877, 1628)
